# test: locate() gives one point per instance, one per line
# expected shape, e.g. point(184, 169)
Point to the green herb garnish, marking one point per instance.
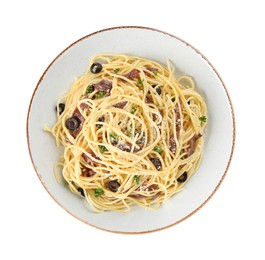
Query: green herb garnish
point(100, 94)
point(103, 148)
point(203, 118)
point(99, 192)
point(136, 179)
point(173, 99)
point(140, 82)
point(155, 73)
point(133, 110)
point(117, 70)
point(115, 137)
point(158, 149)
point(89, 89)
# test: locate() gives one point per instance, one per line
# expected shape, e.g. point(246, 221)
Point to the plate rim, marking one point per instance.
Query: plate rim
point(203, 57)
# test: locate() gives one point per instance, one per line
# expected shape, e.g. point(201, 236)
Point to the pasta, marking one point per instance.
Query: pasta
point(132, 133)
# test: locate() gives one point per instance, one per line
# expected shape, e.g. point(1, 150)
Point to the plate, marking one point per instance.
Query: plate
point(156, 45)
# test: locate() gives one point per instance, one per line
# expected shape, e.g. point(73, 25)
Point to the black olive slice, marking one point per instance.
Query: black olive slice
point(157, 163)
point(101, 119)
point(72, 123)
point(158, 89)
point(96, 68)
point(113, 186)
point(61, 108)
point(183, 177)
point(81, 191)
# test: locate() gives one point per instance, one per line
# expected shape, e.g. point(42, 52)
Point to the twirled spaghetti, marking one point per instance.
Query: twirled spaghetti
point(131, 132)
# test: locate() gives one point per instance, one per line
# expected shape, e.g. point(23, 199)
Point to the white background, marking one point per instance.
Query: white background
point(229, 33)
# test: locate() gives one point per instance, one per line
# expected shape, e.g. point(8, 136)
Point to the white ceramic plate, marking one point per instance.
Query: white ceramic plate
point(156, 45)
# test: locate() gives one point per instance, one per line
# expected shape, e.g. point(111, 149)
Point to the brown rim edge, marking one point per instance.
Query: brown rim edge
point(232, 113)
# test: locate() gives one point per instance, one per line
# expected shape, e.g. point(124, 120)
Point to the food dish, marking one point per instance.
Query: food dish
point(152, 44)
point(132, 133)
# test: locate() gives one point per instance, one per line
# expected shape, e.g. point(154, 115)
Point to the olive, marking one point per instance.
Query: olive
point(96, 68)
point(158, 89)
point(157, 163)
point(81, 191)
point(113, 186)
point(61, 108)
point(72, 123)
point(183, 177)
point(101, 119)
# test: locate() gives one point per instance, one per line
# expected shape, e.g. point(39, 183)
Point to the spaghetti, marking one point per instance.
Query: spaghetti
point(131, 132)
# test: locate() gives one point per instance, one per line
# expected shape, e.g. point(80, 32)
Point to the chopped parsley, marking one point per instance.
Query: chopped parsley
point(103, 148)
point(89, 89)
point(117, 70)
point(136, 179)
point(133, 110)
point(203, 118)
point(158, 149)
point(155, 73)
point(140, 82)
point(100, 94)
point(173, 99)
point(115, 137)
point(99, 192)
